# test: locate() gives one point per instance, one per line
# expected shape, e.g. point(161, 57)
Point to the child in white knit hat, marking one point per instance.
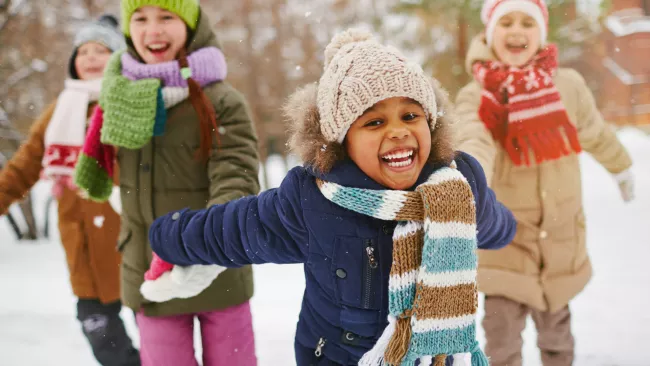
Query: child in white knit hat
point(526, 120)
point(384, 216)
point(88, 229)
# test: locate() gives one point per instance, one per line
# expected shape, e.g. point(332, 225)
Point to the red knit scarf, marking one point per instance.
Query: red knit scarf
point(522, 108)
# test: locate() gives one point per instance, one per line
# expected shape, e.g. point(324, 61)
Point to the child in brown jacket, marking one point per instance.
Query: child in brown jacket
point(89, 230)
point(526, 121)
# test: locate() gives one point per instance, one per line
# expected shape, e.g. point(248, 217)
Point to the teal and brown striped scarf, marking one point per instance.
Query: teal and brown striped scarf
point(433, 295)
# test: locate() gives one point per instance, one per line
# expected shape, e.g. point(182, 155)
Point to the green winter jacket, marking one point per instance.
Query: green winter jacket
point(164, 176)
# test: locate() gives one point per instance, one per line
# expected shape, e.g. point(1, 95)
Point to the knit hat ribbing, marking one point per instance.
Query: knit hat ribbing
point(360, 72)
point(104, 31)
point(188, 10)
point(493, 10)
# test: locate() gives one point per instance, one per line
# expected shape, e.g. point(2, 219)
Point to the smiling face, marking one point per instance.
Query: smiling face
point(157, 34)
point(90, 60)
point(516, 39)
point(391, 142)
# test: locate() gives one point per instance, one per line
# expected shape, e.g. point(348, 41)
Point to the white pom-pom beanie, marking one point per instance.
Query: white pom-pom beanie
point(360, 72)
point(493, 10)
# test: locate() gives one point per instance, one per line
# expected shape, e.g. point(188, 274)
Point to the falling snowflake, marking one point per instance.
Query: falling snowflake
point(222, 130)
point(323, 148)
point(98, 221)
point(307, 14)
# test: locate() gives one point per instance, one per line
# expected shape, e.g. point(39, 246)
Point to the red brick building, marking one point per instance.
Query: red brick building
point(625, 95)
point(614, 59)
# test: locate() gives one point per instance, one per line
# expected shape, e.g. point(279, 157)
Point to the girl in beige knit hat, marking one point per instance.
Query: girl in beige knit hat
point(384, 215)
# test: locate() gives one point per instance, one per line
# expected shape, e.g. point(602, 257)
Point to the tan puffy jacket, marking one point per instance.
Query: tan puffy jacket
point(546, 265)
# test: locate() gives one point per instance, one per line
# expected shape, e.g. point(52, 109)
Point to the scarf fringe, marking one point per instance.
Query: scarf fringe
point(546, 141)
point(375, 357)
point(399, 342)
point(478, 357)
point(440, 360)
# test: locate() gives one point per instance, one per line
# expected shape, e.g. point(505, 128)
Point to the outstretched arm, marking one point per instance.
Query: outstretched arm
point(495, 224)
point(268, 228)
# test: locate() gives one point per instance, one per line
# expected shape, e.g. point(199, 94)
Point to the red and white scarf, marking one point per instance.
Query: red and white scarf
point(523, 110)
point(66, 131)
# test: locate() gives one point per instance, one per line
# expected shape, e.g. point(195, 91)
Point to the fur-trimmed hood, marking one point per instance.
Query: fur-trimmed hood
point(307, 141)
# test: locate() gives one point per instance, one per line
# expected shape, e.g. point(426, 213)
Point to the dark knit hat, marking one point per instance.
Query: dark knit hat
point(104, 30)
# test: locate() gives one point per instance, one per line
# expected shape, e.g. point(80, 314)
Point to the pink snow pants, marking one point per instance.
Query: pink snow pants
point(227, 338)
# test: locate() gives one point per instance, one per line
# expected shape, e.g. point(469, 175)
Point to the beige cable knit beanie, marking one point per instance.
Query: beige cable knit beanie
point(360, 72)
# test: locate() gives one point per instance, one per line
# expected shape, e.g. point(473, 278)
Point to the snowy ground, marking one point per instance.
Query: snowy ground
point(611, 319)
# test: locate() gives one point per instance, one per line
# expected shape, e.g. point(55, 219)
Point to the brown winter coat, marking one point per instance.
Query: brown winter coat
point(165, 176)
point(547, 264)
point(91, 251)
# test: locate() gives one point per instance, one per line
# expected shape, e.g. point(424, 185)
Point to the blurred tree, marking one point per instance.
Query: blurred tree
point(272, 46)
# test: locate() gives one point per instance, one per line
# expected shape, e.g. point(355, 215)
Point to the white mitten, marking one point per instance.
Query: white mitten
point(180, 282)
point(115, 200)
point(625, 182)
point(197, 276)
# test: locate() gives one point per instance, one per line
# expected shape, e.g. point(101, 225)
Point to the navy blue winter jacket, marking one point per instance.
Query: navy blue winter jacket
point(345, 304)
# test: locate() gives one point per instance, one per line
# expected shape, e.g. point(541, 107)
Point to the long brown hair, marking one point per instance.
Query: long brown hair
point(204, 109)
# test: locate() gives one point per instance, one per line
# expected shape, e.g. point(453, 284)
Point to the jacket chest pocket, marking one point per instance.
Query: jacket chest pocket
point(356, 269)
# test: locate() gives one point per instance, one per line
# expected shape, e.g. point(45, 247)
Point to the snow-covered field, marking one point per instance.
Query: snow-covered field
point(611, 320)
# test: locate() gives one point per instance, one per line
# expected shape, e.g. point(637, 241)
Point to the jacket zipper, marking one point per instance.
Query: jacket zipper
point(319, 347)
point(370, 267)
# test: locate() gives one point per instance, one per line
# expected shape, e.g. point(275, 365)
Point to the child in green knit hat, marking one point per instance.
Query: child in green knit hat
point(162, 103)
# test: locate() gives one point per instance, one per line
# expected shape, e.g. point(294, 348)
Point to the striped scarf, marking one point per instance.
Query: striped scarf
point(523, 110)
point(433, 294)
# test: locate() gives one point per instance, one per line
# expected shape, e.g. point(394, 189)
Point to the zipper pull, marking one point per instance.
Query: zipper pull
point(370, 251)
point(319, 347)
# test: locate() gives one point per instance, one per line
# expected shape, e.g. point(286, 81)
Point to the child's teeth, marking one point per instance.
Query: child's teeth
point(400, 163)
point(399, 155)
